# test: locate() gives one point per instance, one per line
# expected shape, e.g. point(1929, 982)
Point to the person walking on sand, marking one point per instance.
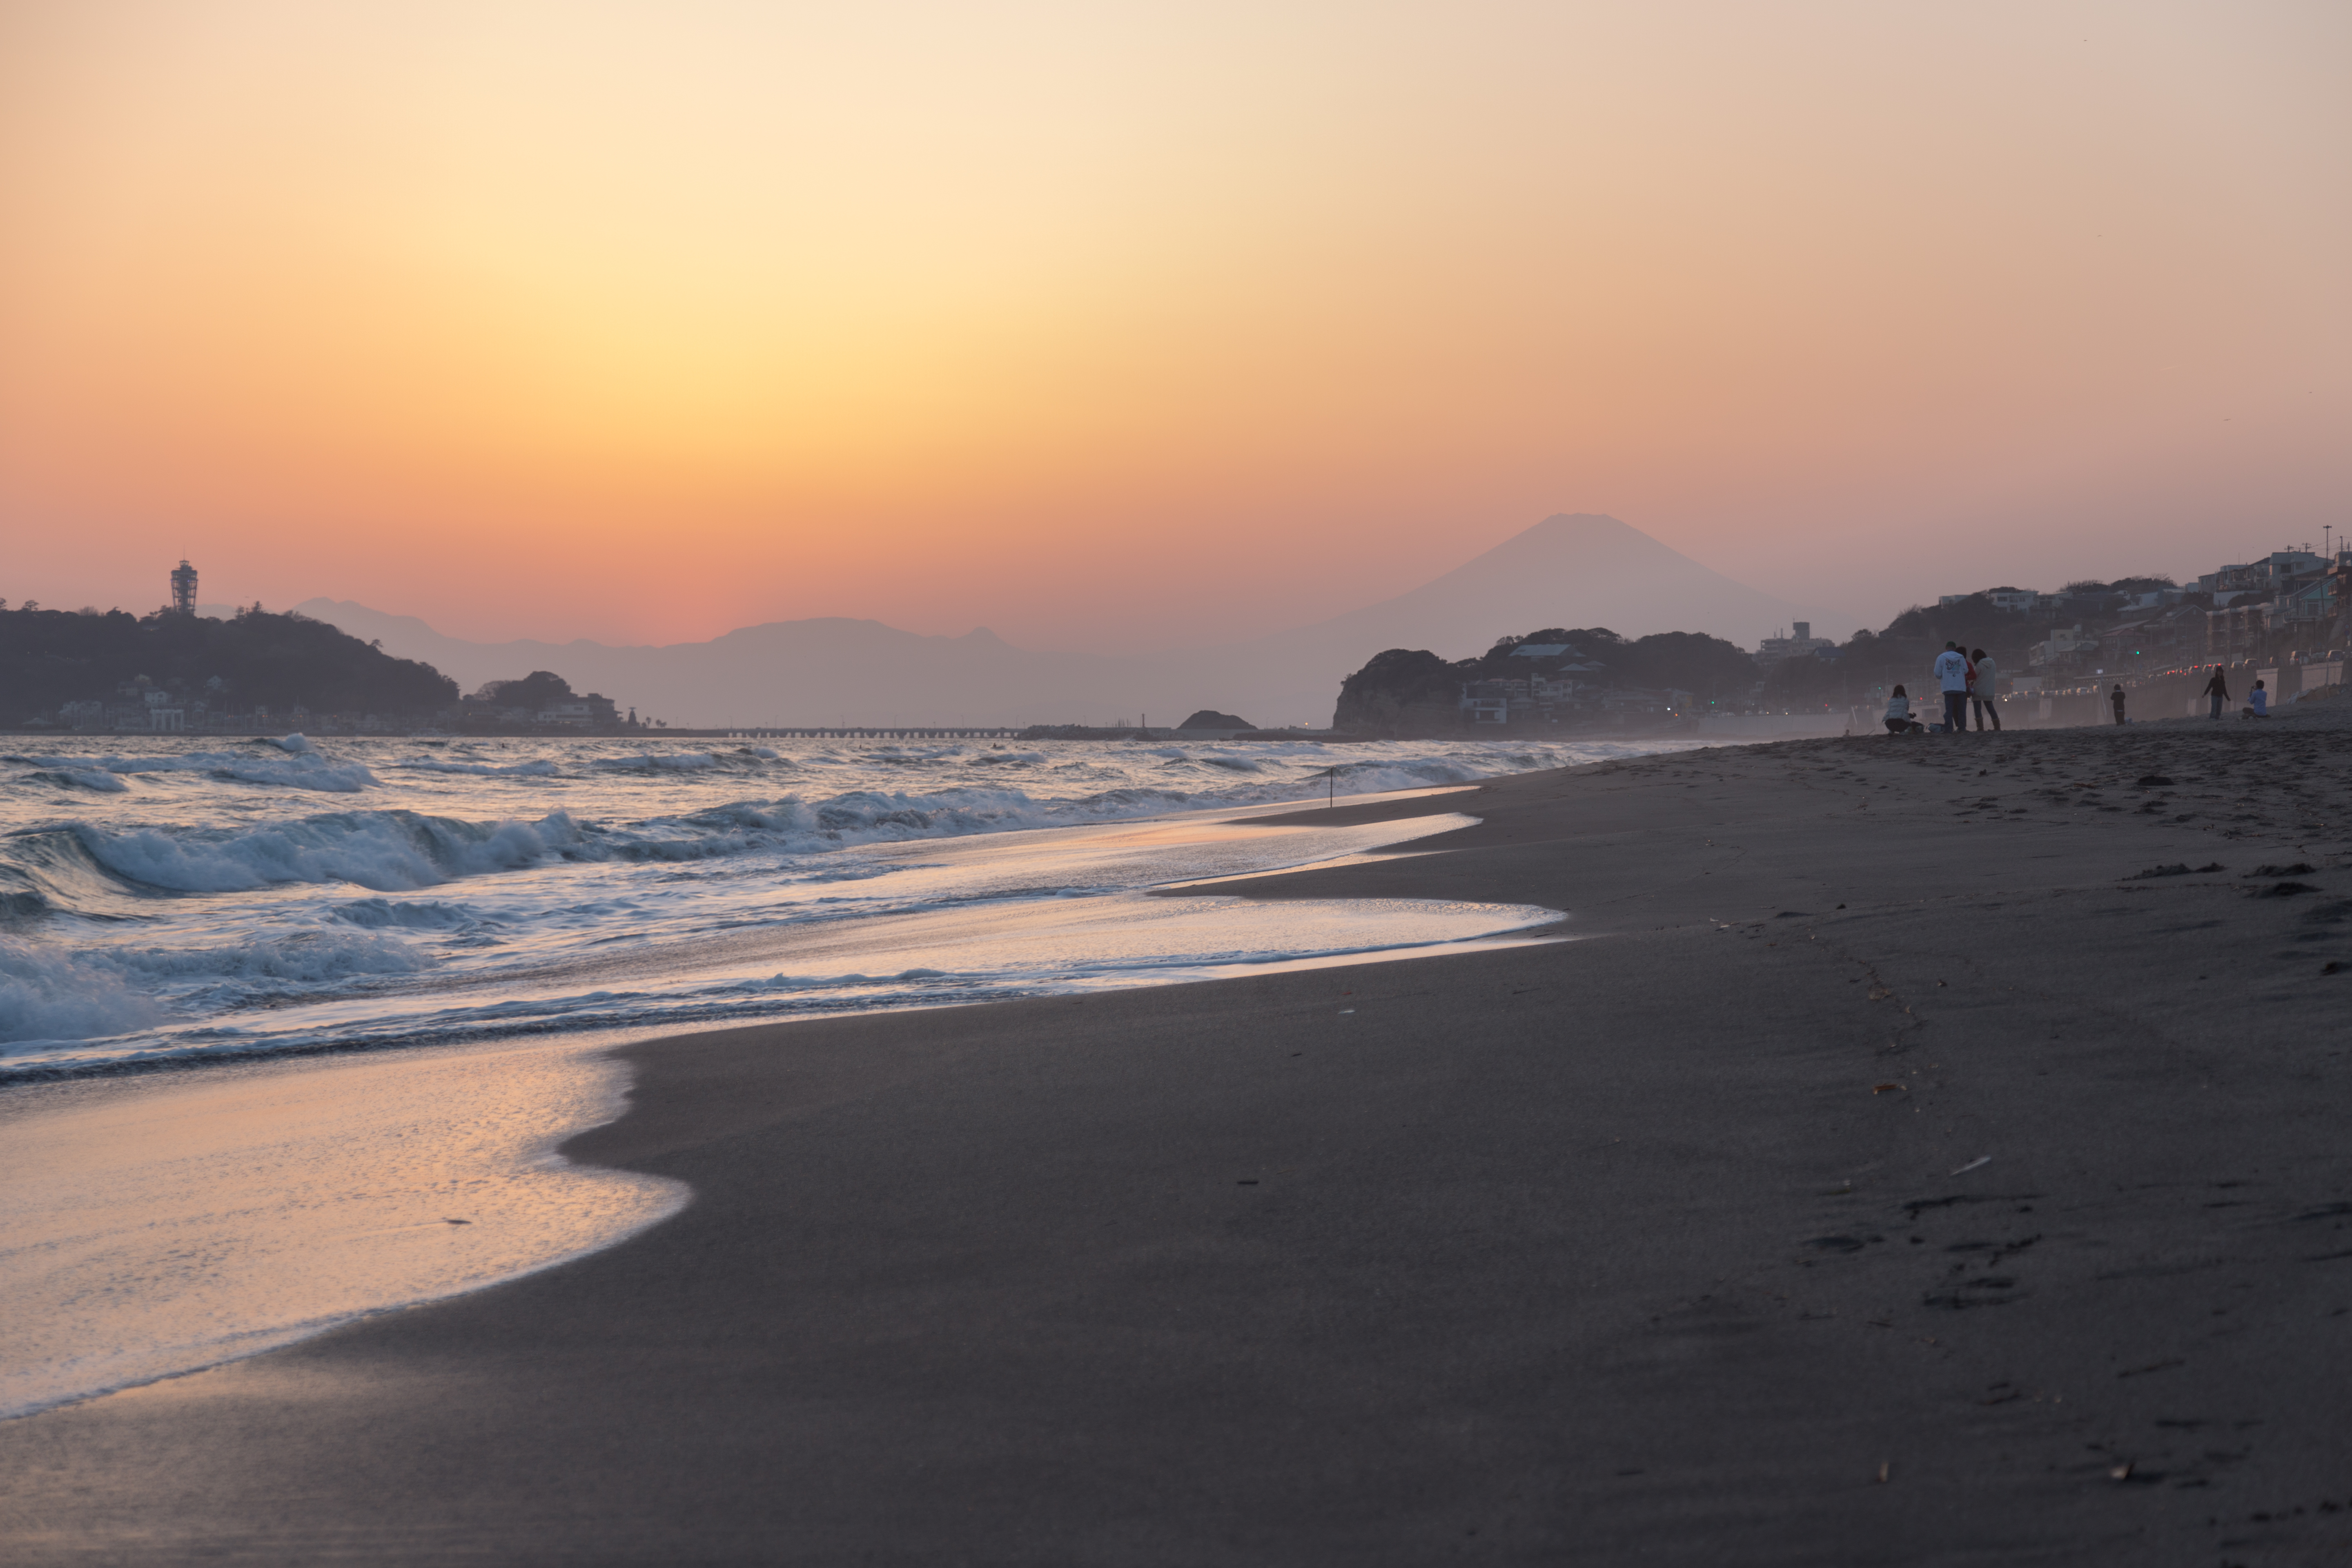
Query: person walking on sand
point(2116, 697)
point(1984, 680)
point(1898, 715)
point(2218, 689)
point(1952, 674)
point(2259, 703)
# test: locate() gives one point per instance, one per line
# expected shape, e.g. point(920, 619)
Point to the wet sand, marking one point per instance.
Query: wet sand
point(162, 1221)
point(1889, 1173)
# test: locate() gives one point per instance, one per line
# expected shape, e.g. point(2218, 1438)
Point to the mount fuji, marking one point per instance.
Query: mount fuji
point(1570, 570)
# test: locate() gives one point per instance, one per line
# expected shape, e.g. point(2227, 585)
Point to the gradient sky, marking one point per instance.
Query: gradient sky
point(1154, 322)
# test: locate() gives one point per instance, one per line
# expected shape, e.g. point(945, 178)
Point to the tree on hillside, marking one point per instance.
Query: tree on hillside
point(1594, 644)
point(1401, 690)
point(1809, 680)
point(1912, 639)
point(1706, 667)
point(540, 688)
point(1709, 668)
point(48, 658)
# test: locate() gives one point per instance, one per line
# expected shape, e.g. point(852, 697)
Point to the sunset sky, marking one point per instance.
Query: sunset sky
point(1154, 322)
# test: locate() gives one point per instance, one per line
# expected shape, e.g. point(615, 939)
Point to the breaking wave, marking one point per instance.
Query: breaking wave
point(374, 913)
point(387, 851)
point(302, 769)
point(309, 957)
point(47, 994)
point(682, 762)
point(54, 993)
point(201, 901)
point(540, 769)
point(78, 778)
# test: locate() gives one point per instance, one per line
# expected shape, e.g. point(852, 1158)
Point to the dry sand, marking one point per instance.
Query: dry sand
point(1891, 1174)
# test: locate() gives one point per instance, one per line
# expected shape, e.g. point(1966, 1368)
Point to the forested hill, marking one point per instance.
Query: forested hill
point(1412, 691)
point(51, 658)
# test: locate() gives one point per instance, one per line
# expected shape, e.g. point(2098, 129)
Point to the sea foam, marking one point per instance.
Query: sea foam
point(173, 896)
point(306, 770)
point(386, 852)
point(49, 994)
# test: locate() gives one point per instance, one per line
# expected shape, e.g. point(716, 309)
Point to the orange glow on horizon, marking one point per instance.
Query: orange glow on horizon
point(643, 322)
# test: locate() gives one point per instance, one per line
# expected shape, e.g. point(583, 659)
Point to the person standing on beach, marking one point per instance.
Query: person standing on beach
point(1952, 674)
point(2218, 689)
point(2117, 698)
point(1984, 680)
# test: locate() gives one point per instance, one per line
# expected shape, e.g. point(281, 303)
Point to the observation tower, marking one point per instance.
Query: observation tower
point(183, 589)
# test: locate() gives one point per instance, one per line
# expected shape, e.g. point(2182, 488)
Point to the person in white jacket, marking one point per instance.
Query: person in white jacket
point(1984, 683)
point(1952, 674)
point(1898, 715)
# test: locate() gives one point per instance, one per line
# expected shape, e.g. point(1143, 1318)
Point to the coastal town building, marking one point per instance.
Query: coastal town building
point(2012, 599)
point(1485, 702)
point(2293, 605)
point(1797, 645)
point(2240, 631)
point(2064, 644)
point(1537, 700)
point(2308, 602)
point(2268, 575)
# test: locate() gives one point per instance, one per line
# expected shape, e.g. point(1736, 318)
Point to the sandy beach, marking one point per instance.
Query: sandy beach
point(1925, 1150)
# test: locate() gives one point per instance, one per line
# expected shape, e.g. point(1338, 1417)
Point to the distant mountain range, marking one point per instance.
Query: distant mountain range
point(785, 673)
point(1566, 571)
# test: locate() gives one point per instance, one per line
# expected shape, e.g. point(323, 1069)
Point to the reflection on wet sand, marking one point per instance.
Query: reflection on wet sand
point(165, 1224)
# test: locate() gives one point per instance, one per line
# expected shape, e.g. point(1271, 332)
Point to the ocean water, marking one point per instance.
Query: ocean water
point(494, 914)
point(177, 899)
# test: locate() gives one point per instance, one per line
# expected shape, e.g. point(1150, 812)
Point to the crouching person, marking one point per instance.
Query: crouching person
point(1900, 720)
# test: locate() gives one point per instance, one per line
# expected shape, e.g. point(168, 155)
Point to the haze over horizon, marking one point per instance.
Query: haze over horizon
point(1584, 571)
point(1162, 328)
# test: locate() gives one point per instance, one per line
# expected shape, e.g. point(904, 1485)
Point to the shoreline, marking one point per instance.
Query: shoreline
point(1582, 1248)
point(179, 1226)
point(429, 902)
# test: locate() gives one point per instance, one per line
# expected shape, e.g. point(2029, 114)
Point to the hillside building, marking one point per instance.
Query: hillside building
point(1534, 700)
point(2269, 574)
point(2000, 598)
point(2238, 631)
point(1802, 641)
point(2064, 646)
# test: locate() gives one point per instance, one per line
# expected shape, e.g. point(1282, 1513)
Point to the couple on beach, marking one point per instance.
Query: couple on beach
point(2258, 701)
point(1965, 677)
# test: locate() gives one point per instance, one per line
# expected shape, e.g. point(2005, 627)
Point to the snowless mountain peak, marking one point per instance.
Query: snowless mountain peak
point(1571, 569)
